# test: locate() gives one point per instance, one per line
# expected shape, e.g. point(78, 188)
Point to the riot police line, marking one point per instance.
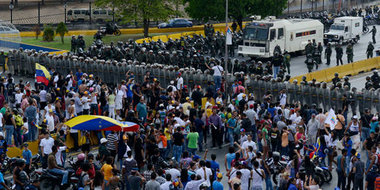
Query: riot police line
point(112, 72)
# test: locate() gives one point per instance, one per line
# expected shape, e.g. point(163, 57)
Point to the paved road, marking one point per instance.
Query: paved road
point(298, 66)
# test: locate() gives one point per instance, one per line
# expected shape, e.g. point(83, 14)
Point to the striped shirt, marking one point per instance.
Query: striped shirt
point(112, 138)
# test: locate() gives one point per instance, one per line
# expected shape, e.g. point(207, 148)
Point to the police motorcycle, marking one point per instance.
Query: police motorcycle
point(110, 28)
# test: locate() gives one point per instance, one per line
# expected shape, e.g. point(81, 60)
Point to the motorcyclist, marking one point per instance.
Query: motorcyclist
point(110, 27)
point(21, 178)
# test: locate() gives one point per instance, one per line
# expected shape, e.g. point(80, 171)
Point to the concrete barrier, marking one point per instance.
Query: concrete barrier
point(155, 30)
point(326, 75)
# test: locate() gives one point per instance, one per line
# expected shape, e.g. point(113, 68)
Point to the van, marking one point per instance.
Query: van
point(78, 15)
point(83, 15)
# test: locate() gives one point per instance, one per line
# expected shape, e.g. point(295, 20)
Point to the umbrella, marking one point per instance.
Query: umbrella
point(100, 123)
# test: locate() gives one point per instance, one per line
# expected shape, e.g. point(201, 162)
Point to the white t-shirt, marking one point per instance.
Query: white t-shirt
point(174, 173)
point(47, 144)
point(43, 96)
point(50, 122)
point(86, 104)
point(58, 155)
point(166, 185)
point(179, 83)
point(246, 174)
point(282, 99)
point(247, 144)
point(18, 98)
point(208, 174)
point(26, 128)
point(1, 119)
point(217, 70)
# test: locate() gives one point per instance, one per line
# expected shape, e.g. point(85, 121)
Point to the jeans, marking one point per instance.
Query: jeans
point(44, 161)
point(177, 152)
point(192, 150)
point(218, 81)
point(168, 149)
point(268, 183)
point(257, 188)
point(365, 133)
point(9, 132)
point(32, 132)
point(285, 150)
point(75, 139)
point(275, 71)
point(358, 183)
point(61, 172)
point(93, 109)
point(17, 136)
point(231, 137)
point(341, 180)
point(200, 140)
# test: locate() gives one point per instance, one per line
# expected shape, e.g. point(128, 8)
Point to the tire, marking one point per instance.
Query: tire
point(328, 175)
point(320, 177)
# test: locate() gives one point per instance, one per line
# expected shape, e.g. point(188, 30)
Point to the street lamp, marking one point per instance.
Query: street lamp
point(65, 6)
point(11, 7)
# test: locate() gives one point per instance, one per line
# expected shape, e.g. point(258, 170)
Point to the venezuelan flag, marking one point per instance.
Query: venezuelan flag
point(42, 74)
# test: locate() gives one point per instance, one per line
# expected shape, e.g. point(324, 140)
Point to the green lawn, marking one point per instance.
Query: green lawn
point(56, 44)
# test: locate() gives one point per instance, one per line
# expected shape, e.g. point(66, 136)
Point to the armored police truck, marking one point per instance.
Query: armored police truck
point(344, 29)
point(262, 38)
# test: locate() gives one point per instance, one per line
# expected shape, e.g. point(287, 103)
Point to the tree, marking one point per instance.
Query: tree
point(61, 31)
point(145, 10)
point(37, 30)
point(237, 9)
point(48, 33)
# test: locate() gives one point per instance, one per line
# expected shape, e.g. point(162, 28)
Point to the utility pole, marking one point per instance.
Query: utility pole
point(226, 53)
point(301, 7)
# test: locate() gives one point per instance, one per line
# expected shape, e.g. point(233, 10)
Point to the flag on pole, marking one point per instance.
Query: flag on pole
point(42, 74)
point(331, 119)
point(228, 36)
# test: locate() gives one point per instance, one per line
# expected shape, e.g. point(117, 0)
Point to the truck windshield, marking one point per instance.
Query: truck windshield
point(337, 27)
point(256, 34)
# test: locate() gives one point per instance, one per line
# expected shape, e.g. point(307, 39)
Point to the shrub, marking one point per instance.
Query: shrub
point(48, 33)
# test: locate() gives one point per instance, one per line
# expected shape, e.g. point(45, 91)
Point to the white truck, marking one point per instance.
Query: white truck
point(344, 29)
point(260, 38)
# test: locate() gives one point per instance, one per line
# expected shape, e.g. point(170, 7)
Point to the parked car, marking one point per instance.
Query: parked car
point(176, 23)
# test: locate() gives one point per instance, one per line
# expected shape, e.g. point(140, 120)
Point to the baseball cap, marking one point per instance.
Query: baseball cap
point(251, 106)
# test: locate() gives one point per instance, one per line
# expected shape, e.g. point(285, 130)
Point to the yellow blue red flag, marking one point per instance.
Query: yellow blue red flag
point(42, 74)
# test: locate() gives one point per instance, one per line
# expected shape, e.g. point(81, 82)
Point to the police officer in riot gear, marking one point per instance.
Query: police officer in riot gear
point(328, 52)
point(339, 54)
point(375, 78)
point(350, 53)
point(335, 80)
point(369, 51)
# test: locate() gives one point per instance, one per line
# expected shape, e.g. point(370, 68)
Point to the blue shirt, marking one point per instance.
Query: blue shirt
point(30, 113)
point(214, 167)
point(2, 181)
point(129, 91)
point(141, 109)
point(27, 155)
point(231, 123)
point(216, 185)
point(292, 187)
point(230, 157)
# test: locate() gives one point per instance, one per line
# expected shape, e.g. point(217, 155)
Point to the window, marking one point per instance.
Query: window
point(96, 12)
point(272, 34)
point(307, 33)
point(280, 33)
point(346, 29)
point(77, 12)
point(102, 12)
point(357, 24)
point(70, 12)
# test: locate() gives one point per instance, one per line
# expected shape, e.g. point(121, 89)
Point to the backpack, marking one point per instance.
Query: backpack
point(19, 121)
